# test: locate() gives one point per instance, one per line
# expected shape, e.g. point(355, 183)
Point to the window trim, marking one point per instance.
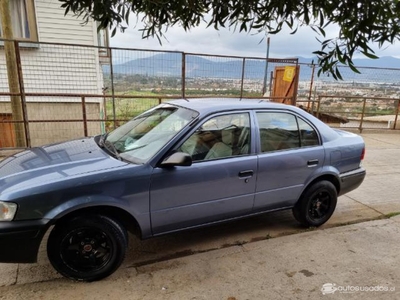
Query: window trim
point(103, 35)
point(32, 23)
point(313, 127)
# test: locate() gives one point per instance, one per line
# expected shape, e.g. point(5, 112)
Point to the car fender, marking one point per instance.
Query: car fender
point(325, 171)
point(93, 201)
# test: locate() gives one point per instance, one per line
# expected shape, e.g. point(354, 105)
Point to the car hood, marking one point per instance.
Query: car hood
point(42, 165)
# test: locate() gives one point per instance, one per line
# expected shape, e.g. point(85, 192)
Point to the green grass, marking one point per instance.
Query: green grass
point(126, 109)
point(392, 214)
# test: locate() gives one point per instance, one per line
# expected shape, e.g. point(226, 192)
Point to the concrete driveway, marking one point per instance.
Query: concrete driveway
point(241, 260)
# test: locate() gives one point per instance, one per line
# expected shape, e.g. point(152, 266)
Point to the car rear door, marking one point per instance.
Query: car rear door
point(220, 184)
point(290, 153)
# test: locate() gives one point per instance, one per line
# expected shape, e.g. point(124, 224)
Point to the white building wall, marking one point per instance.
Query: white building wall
point(55, 68)
point(54, 27)
point(49, 68)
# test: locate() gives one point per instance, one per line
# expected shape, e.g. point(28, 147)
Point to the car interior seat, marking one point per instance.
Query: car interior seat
point(223, 148)
point(243, 142)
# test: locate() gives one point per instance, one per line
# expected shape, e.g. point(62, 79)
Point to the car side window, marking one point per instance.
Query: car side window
point(278, 131)
point(219, 137)
point(308, 136)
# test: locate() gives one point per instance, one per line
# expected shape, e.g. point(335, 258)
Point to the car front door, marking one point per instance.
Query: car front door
point(290, 153)
point(220, 183)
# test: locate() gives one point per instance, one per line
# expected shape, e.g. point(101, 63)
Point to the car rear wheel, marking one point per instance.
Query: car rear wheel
point(87, 248)
point(316, 205)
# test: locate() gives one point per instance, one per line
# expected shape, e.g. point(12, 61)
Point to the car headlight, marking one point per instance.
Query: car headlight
point(7, 211)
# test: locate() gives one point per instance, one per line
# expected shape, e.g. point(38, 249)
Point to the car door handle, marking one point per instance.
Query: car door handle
point(313, 163)
point(246, 174)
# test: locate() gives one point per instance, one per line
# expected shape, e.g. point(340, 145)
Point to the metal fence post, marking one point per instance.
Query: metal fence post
point(397, 114)
point(271, 79)
point(22, 94)
point(241, 86)
point(360, 128)
point(311, 86)
point(183, 74)
point(112, 89)
point(264, 90)
point(318, 106)
point(84, 116)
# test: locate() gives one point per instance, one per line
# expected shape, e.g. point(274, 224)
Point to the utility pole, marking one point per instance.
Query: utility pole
point(12, 72)
point(266, 68)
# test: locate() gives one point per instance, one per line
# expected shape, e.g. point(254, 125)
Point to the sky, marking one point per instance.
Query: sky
point(228, 42)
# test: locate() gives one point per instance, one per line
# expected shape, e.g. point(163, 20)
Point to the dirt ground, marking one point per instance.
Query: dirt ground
point(290, 267)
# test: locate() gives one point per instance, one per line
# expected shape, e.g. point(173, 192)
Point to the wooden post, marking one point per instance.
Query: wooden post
point(12, 72)
point(22, 95)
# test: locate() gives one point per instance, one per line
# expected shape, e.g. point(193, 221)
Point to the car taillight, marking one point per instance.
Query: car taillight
point(362, 153)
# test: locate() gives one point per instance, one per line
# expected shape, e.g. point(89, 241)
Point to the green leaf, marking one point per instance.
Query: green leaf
point(369, 55)
point(114, 31)
point(354, 69)
point(322, 31)
point(319, 53)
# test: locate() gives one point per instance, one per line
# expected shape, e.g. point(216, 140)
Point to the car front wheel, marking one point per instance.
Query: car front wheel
point(316, 205)
point(87, 248)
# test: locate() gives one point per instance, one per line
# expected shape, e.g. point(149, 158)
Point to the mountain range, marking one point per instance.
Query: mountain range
point(170, 64)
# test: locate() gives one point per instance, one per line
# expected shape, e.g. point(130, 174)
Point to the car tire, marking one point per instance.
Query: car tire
point(316, 205)
point(87, 248)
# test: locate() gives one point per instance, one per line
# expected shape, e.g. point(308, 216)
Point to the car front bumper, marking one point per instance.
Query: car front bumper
point(20, 240)
point(351, 180)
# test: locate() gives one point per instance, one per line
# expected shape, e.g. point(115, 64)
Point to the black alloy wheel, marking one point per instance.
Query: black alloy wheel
point(87, 248)
point(316, 205)
point(319, 206)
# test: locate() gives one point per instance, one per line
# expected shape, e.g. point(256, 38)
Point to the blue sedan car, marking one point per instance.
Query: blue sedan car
point(180, 165)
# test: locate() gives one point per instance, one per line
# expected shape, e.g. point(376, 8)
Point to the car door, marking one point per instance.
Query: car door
point(290, 153)
point(220, 183)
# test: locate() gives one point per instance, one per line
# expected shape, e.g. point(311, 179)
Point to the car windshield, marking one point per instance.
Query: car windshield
point(141, 138)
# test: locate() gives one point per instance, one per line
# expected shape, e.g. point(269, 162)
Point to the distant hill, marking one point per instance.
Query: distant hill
point(382, 62)
point(170, 64)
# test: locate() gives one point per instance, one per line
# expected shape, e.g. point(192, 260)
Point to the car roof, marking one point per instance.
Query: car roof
point(211, 105)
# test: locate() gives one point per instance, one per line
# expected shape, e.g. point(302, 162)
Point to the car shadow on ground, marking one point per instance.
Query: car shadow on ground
point(210, 238)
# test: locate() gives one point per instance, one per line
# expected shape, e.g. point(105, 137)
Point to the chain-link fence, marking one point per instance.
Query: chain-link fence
point(365, 100)
point(48, 83)
point(62, 91)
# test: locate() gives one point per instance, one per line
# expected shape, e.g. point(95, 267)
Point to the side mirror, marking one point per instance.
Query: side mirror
point(180, 159)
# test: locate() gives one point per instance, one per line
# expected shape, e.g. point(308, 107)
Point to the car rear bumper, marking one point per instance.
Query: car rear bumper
point(20, 240)
point(351, 180)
